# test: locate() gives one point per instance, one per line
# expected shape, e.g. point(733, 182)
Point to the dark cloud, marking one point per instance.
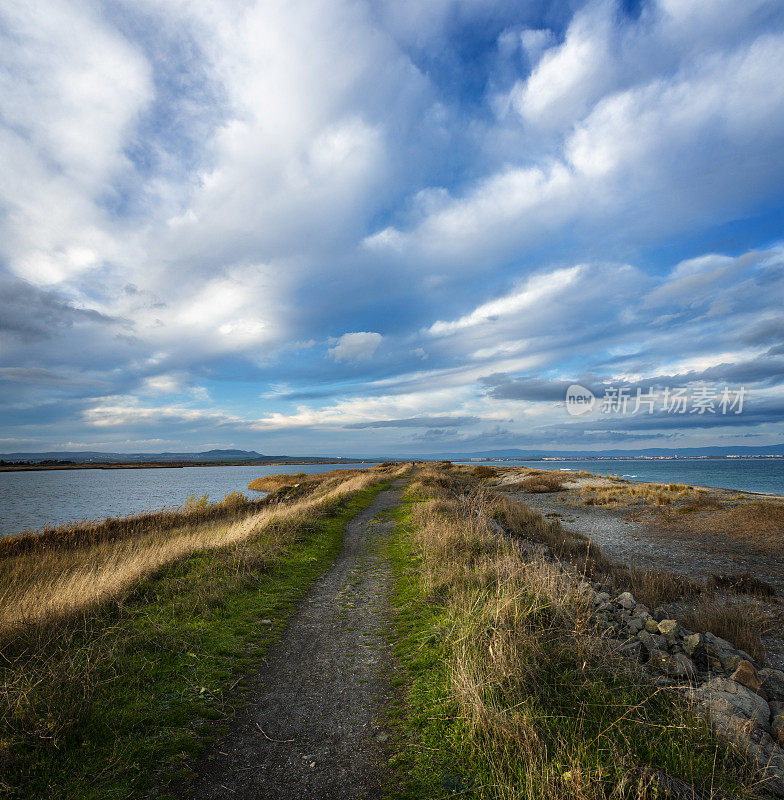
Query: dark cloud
point(30, 313)
point(37, 375)
point(765, 370)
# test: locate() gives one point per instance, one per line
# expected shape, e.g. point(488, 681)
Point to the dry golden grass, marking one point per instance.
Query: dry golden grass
point(757, 524)
point(45, 583)
point(523, 651)
point(626, 494)
point(654, 587)
point(744, 623)
point(273, 483)
point(542, 482)
point(194, 511)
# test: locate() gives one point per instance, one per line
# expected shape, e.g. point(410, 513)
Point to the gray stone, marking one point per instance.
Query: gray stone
point(635, 625)
point(694, 645)
point(677, 666)
point(728, 656)
point(773, 682)
point(724, 697)
point(632, 649)
point(777, 721)
point(641, 609)
point(602, 597)
point(652, 641)
point(626, 600)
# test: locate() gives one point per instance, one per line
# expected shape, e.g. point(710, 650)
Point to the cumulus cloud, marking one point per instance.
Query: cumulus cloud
point(195, 195)
point(358, 346)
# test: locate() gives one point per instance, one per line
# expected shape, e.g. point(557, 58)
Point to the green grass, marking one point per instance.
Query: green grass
point(592, 726)
point(434, 757)
point(132, 691)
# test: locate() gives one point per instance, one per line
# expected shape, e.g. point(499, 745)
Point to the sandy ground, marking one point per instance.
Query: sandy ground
point(630, 542)
point(314, 726)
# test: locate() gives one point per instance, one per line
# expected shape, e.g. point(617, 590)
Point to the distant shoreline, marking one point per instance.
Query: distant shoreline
point(175, 464)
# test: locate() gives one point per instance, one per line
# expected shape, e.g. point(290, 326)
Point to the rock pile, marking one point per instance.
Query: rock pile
point(743, 700)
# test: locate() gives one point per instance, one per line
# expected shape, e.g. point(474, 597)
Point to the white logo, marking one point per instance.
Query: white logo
point(579, 400)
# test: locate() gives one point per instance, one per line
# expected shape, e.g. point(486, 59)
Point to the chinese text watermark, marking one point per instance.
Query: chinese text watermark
point(622, 400)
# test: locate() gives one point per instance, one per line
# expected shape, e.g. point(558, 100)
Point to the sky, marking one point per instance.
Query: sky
point(369, 227)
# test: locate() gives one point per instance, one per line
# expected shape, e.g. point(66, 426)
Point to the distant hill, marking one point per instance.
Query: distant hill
point(97, 457)
point(651, 452)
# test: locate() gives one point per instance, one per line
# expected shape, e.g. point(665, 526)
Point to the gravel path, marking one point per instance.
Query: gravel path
point(314, 728)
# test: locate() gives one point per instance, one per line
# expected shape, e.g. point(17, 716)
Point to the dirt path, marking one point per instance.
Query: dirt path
point(314, 728)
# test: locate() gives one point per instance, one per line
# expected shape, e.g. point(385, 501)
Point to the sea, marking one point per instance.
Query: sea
point(35, 499)
point(746, 474)
point(32, 500)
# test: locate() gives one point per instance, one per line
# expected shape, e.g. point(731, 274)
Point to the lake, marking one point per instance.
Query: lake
point(748, 475)
point(31, 500)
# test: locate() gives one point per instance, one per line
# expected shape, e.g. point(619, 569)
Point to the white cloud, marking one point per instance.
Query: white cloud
point(71, 91)
point(669, 153)
point(535, 42)
point(163, 384)
point(570, 77)
point(359, 346)
point(210, 188)
point(538, 289)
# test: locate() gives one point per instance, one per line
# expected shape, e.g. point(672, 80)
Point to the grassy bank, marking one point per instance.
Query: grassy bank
point(504, 691)
point(108, 697)
point(74, 568)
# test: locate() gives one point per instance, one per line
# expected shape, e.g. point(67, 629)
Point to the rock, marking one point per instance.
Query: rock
point(746, 674)
point(602, 597)
point(777, 721)
point(773, 682)
point(640, 609)
point(731, 705)
point(635, 625)
point(652, 626)
point(677, 666)
point(694, 645)
point(632, 649)
point(728, 656)
point(685, 666)
point(652, 641)
point(626, 600)
point(668, 628)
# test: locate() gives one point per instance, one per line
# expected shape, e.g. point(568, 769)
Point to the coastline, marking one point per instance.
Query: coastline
point(179, 464)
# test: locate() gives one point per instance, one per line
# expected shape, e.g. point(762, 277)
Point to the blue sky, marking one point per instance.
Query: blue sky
point(363, 227)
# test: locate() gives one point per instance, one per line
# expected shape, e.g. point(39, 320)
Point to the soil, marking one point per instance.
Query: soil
point(314, 726)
